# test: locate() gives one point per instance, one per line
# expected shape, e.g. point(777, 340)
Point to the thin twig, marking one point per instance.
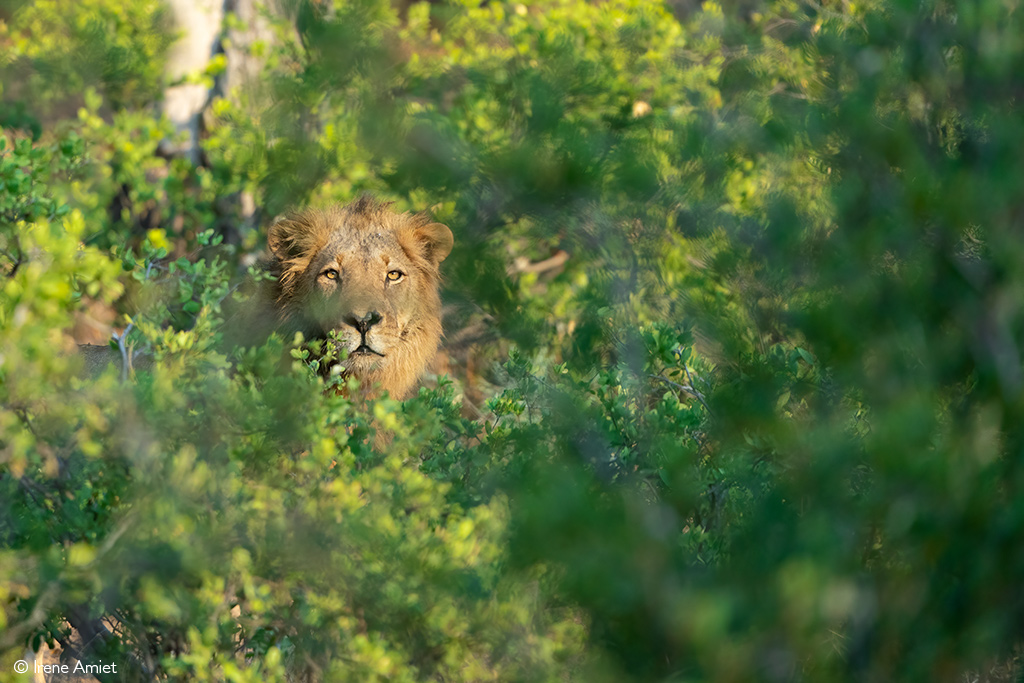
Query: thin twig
point(125, 359)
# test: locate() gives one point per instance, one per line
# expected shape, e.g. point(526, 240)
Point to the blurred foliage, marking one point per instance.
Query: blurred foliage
point(54, 49)
point(751, 407)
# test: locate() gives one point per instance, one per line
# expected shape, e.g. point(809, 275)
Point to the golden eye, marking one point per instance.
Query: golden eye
point(330, 274)
point(395, 275)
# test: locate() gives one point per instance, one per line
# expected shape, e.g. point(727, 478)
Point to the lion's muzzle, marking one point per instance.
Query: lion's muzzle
point(363, 323)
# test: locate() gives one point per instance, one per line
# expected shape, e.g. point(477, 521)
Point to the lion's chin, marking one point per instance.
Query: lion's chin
point(361, 363)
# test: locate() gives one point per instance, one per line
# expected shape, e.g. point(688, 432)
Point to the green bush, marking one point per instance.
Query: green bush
point(749, 407)
point(55, 49)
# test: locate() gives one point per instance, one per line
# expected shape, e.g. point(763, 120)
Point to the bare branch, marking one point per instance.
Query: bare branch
point(686, 389)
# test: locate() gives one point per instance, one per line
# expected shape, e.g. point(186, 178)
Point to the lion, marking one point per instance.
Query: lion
point(365, 276)
point(360, 274)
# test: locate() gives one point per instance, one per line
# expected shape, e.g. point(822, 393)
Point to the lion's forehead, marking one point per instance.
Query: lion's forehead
point(361, 248)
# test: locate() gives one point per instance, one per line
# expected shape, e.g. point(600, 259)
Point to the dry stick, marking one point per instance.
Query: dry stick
point(524, 266)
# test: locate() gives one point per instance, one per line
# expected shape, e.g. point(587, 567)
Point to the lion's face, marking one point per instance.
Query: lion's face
point(367, 277)
point(367, 291)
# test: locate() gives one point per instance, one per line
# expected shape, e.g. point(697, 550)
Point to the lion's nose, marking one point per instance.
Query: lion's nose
point(363, 323)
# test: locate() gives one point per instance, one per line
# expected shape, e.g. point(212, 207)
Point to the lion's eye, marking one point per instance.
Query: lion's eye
point(395, 275)
point(330, 274)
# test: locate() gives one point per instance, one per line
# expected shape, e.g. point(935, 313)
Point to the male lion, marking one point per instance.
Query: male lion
point(368, 277)
point(362, 274)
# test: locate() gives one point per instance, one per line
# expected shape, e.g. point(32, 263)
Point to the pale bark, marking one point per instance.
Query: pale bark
point(244, 68)
point(200, 23)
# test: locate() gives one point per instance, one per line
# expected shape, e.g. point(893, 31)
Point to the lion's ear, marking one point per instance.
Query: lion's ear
point(281, 239)
point(436, 240)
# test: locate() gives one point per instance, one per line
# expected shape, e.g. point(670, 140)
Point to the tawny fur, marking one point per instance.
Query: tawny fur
point(361, 243)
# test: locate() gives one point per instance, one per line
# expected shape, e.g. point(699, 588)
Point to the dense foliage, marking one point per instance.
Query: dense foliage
point(734, 377)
